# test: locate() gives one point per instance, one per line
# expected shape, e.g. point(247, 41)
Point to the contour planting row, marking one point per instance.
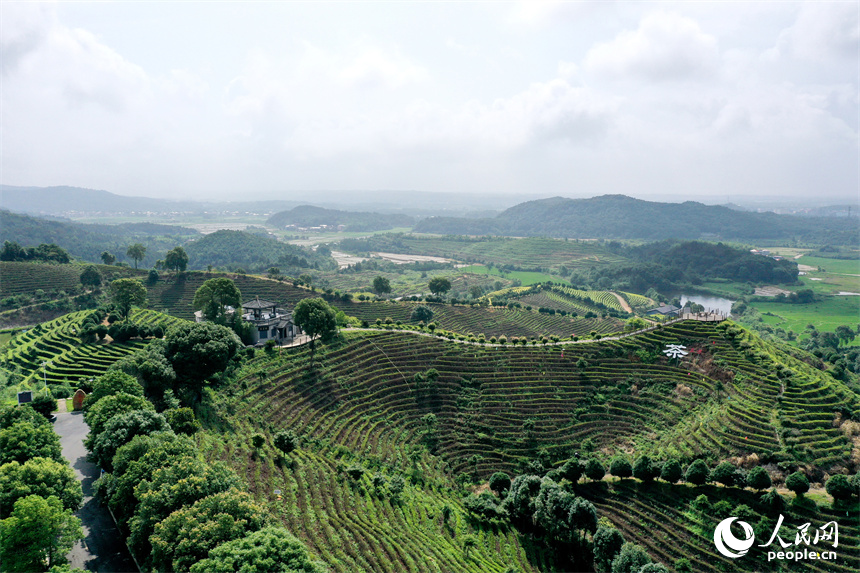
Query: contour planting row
point(27, 278)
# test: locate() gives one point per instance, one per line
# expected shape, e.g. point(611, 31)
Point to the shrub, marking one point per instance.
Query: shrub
point(182, 420)
point(286, 441)
point(671, 471)
point(724, 474)
point(620, 467)
point(500, 482)
point(257, 440)
point(697, 473)
point(772, 502)
point(758, 478)
point(594, 469)
point(631, 559)
point(798, 483)
point(839, 487)
point(644, 469)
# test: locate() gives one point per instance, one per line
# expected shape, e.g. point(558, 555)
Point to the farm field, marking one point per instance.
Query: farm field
point(526, 278)
point(825, 315)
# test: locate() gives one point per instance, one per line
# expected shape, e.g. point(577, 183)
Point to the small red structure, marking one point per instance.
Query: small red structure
point(78, 400)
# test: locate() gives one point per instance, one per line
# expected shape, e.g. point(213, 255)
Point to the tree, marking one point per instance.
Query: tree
point(110, 383)
point(644, 469)
point(198, 350)
point(798, 483)
point(127, 293)
point(38, 533)
point(108, 258)
point(176, 259)
point(120, 430)
point(23, 440)
point(582, 516)
point(38, 476)
point(571, 470)
point(630, 559)
point(724, 474)
point(653, 568)
point(620, 467)
point(697, 473)
point(316, 318)
point(520, 502)
point(606, 543)
point(758, 478)
point(187, 535)
point(90, 277)
point(270, 549)
point(422, 314)
point(214, 295)
point(136, 251)
point(182, 420)
point(381, 285)
point(109, 407)
point(594, 469)
point(286, 441)
point(772, 502)
point(500, 482)
point(839, 487)
point(439, 285)
point(671, 471)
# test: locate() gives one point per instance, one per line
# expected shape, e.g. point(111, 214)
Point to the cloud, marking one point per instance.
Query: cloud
point(822, 31)
point(665, 47)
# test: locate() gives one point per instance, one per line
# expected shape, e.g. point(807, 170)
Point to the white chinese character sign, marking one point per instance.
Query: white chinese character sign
point(675, 350)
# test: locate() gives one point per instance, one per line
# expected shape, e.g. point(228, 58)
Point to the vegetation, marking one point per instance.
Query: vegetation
point(309, 216)
point(253, 252)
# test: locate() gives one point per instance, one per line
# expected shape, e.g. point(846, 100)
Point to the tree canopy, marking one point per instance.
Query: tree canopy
point(381, 285)
point(176, 259)
point(127, 293)
point(197, 351)
point(439, 285)
point(214, 295)
point(270, 549)
point(38, 476)
point(136, 252)
point(39, 532)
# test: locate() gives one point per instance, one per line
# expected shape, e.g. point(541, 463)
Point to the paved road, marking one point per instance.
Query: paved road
point(102, 548)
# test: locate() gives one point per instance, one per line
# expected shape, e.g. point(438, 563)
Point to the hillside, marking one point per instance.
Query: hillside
point(252, 252)
point(621, 217)
point(310, 216)
point(87, 241)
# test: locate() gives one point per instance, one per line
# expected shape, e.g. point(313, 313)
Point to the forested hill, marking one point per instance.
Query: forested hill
point(253, 252)
point(87, 242)
point(622, 217)
point(310, 216)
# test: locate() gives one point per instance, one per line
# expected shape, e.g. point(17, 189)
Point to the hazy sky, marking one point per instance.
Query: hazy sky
point(238, 100)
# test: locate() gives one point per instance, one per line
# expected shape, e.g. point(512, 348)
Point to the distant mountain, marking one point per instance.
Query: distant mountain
point(87, 242)
point(309, 216)
point(622, 217)
point(253, 252)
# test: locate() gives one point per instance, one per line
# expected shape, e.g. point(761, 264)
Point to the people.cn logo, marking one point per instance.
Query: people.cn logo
point(728, 544)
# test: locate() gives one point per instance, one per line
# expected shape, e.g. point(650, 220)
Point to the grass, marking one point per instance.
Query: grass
point(825, 315)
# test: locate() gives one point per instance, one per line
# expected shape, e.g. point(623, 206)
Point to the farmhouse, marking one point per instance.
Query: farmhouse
point(668, 310)
point(269, 322)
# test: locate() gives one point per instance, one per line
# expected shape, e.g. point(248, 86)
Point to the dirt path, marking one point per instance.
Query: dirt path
point(622, 302)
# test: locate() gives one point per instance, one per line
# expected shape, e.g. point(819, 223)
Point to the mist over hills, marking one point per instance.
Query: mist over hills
point(622, 217)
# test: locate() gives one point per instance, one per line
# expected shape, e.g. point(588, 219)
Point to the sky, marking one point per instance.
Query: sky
point(223, 100)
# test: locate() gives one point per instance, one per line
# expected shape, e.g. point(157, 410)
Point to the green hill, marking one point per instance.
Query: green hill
point(310, 216)
point(621, 217)
point(253, 252)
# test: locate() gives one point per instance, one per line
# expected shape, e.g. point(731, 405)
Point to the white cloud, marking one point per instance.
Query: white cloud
point(822, 31)
point(666, 46)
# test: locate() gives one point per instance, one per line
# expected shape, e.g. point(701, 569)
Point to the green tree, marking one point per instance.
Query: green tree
point(520, 502)
point(620, 467)
point(23, 440)
point(594, 470)
point(772, 502)
point(120, 429)
point(798, 483)
point(839, 487)
point(724, 474)
point(108, 258)
point(500, 482)
point(381, 285)
point(136, 251)
point(606, 543)
point(644, 469)
point(181, 483)
point(845, 334)
point(38, 476)
point(90, 277)
point(286, 441)
point(38, 534)
point(214, 295)
point(439, 285)
point(182, 420)
point(109, 407)
point(199, 350)
point(671, 471)
point(469, 543)
point(270, 549)
point(127, 293)
point(186, 536)
point(630, 559)
point(176, 259)
point(316, 318)
point(422, 313)
point(697, 473)
point(110, 383)
point(758, 478)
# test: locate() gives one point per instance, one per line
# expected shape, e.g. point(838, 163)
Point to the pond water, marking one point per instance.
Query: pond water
point(719, 304)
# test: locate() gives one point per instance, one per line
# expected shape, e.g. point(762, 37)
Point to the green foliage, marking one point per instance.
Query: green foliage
point(353, 221)
point(520, 503)
point(198, 350)
point(186, 536)
point(90, 277)
point(697, 472)
point(119, 430)
point(500, 482)
point(182, 420)
point(214, 295)
point(571, 470)
point(630, 559)
point(176, 259)
point(44, 403)
point(798, 483)
point(701, 504)
point(257, 440)
point(127, 293)
point(840, 488)
point(439, 285)
point(653, 568)
point(38, 533)
point(316, 318)
point(270, 549)
point(594, 470)
point(758, 478)
point(724, 474)
point(109, 407)
point(381, 285)
point(644, 469)
point(620, 467)
point(38, 476)
point(286, 441)
point(170, 488)
point(606, 544)
point(671, 471)
point(110, 383)
point(137, 252)
point(51, 253)
point(253, 252)
point(772, 502)
point(23, 440)
point(485, 506)
point(422, 314)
